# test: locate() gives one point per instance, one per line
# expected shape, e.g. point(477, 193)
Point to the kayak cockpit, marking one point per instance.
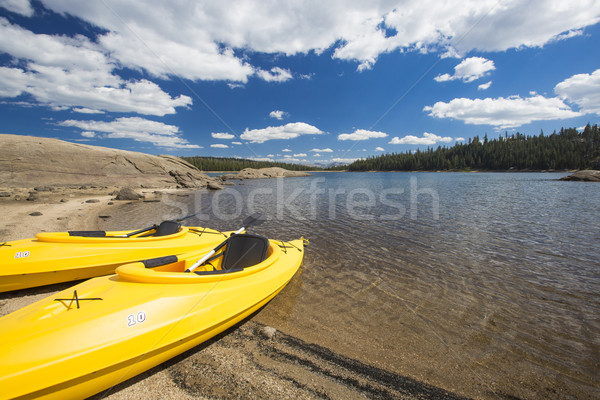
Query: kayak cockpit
point(243, 255)
point(166, 229)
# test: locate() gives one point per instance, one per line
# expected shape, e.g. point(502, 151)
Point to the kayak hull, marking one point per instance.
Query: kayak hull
point(56, 257)
point(124, 326)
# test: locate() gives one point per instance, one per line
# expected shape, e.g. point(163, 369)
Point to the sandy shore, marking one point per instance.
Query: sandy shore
point(247, 361)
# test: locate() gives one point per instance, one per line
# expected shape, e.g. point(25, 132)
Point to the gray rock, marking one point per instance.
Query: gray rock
point(127, 194)
point(586, 175)
point(33, 196)
point(4, 194)
point(214, 186)
point(36, 214)
point(92, 201)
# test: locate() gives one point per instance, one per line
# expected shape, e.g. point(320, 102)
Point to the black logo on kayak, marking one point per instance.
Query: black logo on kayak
point(69, 302)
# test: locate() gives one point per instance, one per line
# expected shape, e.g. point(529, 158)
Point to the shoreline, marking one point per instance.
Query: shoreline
point(60, 209)
point(246, 360)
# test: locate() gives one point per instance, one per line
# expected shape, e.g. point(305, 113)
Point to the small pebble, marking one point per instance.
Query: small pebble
point(268, 332)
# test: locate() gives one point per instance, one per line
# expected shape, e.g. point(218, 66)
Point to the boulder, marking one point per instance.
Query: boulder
point(214, 186)
point(586, 175)
point(127, 194)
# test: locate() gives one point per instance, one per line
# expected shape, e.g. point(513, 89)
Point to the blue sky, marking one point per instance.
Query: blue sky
point(297, 81)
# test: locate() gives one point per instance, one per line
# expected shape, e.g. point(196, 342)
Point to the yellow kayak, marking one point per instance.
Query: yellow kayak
point(108, 329)
point(53, 257)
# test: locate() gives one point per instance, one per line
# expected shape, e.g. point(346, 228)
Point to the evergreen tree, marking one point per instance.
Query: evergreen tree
point(567, 149)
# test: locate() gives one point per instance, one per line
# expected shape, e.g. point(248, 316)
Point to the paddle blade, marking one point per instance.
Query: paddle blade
point(254, 219)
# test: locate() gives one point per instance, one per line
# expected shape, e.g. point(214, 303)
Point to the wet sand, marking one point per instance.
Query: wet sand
point(247, 361)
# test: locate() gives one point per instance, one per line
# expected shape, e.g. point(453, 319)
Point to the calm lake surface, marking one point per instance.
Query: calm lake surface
point(485, 284)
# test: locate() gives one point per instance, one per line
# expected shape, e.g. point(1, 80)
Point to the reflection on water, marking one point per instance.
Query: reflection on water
point(483, 284)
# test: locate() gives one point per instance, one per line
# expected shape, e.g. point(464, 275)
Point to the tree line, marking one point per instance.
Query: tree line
point(567, 149)
point(237, 164)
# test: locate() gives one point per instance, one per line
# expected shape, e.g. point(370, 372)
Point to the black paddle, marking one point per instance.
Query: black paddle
point(255, 219)
point(156, 226)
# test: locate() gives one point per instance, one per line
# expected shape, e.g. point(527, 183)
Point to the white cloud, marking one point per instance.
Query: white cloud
point(502, 112)
point(484, 86)
point(219, 146)
point(83, 110)
point(163, 57)
point(468, 70)
point(71, 72)
point(583, 90)
point(261, 158)
point(287, 131)
point(327, 150)
point(290, 159)
point(22, 7)
point(222, 135)
point(428, 139)
point(276, 74)
point(286, 150)
point(136, 128)
point(460, 139)
point(238, 143)
point(277, 114)
point(300, 155)
point(361, 134)
point(196, 42)
point(379, 149)
point(345, 160)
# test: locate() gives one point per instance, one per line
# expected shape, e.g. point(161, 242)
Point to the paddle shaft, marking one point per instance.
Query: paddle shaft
point(211, 253)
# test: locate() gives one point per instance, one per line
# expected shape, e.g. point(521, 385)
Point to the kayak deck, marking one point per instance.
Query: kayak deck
point(108, 329)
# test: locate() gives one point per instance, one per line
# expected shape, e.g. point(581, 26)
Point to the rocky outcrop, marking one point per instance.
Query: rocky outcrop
point(587, 175)
point(263, 173)
point(27, 161)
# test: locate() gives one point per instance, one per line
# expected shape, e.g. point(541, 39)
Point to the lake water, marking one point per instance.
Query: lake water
point(484, 284)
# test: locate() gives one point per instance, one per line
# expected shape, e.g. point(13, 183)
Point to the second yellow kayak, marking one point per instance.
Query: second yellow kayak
point(54, 257)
